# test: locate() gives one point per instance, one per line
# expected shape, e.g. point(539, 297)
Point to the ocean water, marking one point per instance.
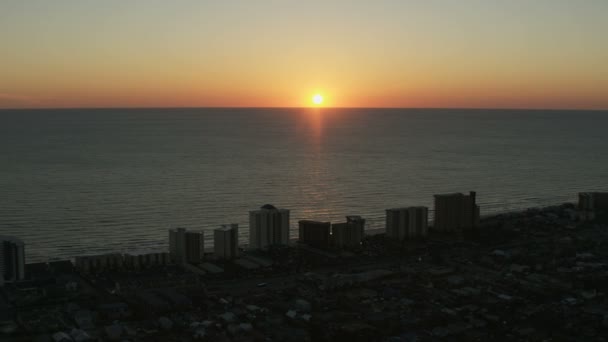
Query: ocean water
point(76, 182)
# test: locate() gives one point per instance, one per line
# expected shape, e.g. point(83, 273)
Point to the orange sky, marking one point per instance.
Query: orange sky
point(489, 54)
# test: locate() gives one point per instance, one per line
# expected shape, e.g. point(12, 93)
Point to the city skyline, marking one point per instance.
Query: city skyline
point(438, 54)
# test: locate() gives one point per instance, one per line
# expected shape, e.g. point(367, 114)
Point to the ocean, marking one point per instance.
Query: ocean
point(85, 181)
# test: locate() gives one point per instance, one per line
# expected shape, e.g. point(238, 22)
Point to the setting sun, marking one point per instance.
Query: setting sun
point(317, 99)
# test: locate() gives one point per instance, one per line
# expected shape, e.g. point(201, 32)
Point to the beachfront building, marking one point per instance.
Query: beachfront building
point(116, 261)
point(100, 262)
point(143, 259)
point(456, 212)
point(593, 205)
point(268, 226)
point(348, 234)
point(185, 246)
point(226, 241)
point(314, 233)
point(406, 223)
point(12, 259)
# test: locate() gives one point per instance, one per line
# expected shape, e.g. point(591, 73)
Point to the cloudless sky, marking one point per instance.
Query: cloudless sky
point(427, 53)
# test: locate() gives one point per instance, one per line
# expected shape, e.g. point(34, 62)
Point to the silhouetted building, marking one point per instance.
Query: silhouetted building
point(349, 234)
point(12, 259)
point(109, 261)
point(185, 246)
point(226, 241)
point(315, 233)
point(268, 226)
point(456, 212)
point(404, 223)
point(593, 205)
point(116, 261)
point(138, 260)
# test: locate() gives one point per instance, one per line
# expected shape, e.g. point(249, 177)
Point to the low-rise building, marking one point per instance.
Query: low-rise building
point(101, 262)
point(592, 205)
point(144, 259)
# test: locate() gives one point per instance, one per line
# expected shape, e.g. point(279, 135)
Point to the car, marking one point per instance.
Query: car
point(262, 285)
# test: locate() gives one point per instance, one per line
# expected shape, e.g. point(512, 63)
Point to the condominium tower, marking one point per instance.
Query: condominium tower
point(405, 223)
point(268, 226)
point(455, 212)
point(185, 246)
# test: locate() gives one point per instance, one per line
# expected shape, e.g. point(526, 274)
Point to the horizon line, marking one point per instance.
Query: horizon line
point(303, 107)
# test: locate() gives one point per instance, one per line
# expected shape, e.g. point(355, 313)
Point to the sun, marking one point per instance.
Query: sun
point(317, 99)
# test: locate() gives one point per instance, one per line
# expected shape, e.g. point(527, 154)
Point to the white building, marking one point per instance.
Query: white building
point(404, 223)
point(226, 241)
point(12, 259)
point(186, 247)
point(268, 226)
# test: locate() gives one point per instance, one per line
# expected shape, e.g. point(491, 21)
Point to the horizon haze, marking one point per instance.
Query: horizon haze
point(400, 54)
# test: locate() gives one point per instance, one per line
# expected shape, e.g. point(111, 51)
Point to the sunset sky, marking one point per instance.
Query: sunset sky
point(427, 53)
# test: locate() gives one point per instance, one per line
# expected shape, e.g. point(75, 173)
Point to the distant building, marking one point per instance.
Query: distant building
point(117, 261)
point(315, 233)
point(268, 226)
point(144, 259)
point(185, 246)
point(101, 262)
point(226, 241)
point(12, 259)
point(593, 205)
point(406, 223)
point(349, 234)
point(456, 212)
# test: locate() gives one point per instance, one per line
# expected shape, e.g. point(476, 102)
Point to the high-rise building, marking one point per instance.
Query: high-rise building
point(185, 246)
point(348, 234)
point(405, 223)
point(268, 226)
point(314, 233)
point(12, 259)
point(226, 241)
point(455, 212)
point(195, 247)
point(177, 245)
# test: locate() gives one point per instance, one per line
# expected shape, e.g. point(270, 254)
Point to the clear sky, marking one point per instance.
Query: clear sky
point(426, 53)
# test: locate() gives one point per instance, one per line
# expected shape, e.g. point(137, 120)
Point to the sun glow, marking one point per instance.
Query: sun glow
point(317, 99)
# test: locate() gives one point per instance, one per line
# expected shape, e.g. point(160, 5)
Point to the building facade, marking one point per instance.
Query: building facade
point(12, 259)
point(456, 212)
point(139, 260)
point(101, 262)
point(593, 205)
point(314, 233)
point(117, 261)
point(348, 234)
point(268, 226)
point(407, 223)
point(226, 241)
point(185, 246)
